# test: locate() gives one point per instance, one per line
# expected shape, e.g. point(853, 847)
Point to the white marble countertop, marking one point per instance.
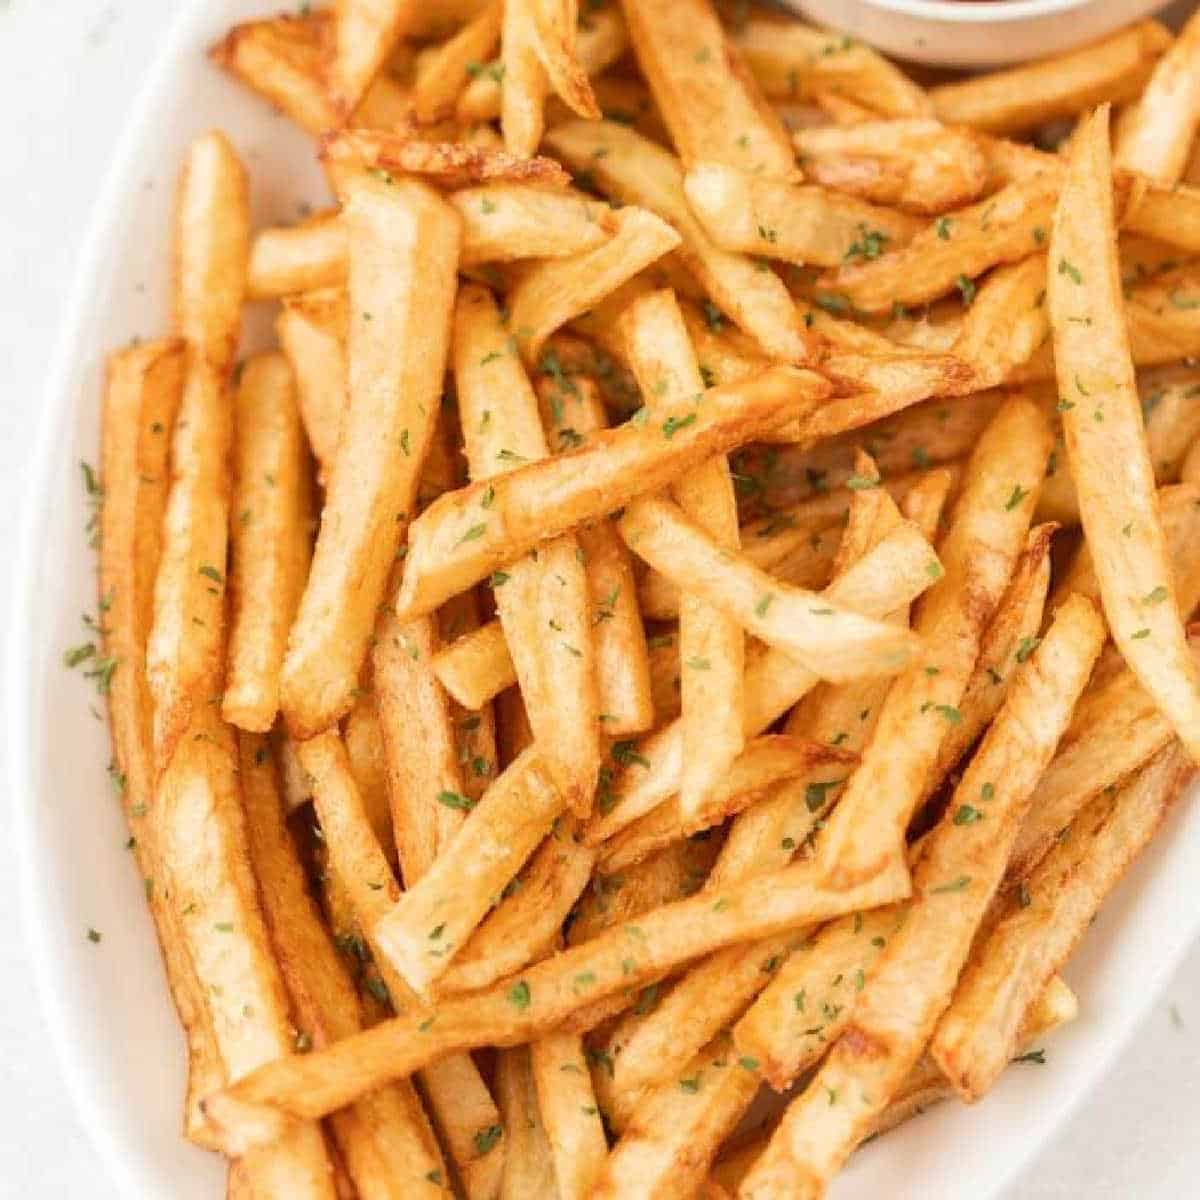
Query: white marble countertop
point(69, 72)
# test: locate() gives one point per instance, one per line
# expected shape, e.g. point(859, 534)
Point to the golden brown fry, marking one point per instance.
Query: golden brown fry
point(1006, 227)
point(363, 737)
point(444, 164)
point(634, 170)
point(477, 666)
point(548, 590)
point(1006, 322)
point(569, 1113)
point(708, 99)
point(1019, 98)
point(572, 411)
point(962, 862)
point(445, 72)
point(403, 256)
point(458, 541)
point(385, 1137)
point(918, 165)
point(518, 1010)
point(140, 402)
point(550, 294)
point(364, 33)
point(976, 1034)
point(980, 549)
point(184, 650)
point(1102, 422)
point(271, 532)
point(794, 61)
point(297, 258)
point(798, 223)
point(528, 1164)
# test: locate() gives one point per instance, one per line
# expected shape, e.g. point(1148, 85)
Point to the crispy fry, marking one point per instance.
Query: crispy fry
point(550, 294)
point(364, 33)
point(918, 165)
point(384, 1137)
point(794, 61)
point(140, 402)
point(1006, 227)
point(1007, 320)
point(363, 736)
point(445, 72)
point(516, 1011)
point(477, 666)
point(403, 255)
point(1102, 423)
point(634, 170)
point(572, 411)
point(528, 1164)
point(272, 513)
point(184, 649)
point(569, 1114)
point(457, 542)
point(961, 865)
point(549, 590)
point(1019, 98)
point(286, 259)
point(708, 99)
point(976, 1034)
point(801, 224)
point(978, 553)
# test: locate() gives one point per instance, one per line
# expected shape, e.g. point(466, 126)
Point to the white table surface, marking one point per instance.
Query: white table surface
point(69, 72)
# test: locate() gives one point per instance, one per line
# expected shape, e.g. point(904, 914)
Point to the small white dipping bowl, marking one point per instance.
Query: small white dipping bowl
point(975, 33)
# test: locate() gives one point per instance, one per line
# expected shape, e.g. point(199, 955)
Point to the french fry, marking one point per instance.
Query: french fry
point(774, 681)
point(433, 920)
point(446, 71)
point(978, 552)
point(1019, 98)
point(201, 835)
point(442, 164)
point(385, 1137)
point(753, 214)
point(457, 542)
point(1006, 227)
point(477, 666)
point(975, 1035)
point(519, 1010)
point(461, 1105)
point(270, 531)
point(184, 649)
point(761, 766)
point(833, 642)
point(708, 99)
point(286, 259)
point(572, 411)
point(1007, 320)
point(918, 165)
point(1122, 526)
point(312, 331)
point(549, 590)
point(621, 99)
point(711, 644)
point(794, 61)
point(1158, 137)
point(569, 1114)
point(403, 255)
point(529, 1162)
point(550, 294)
point(363, 737)
point(140, 402)
point(635, 170)
point(528, 921)
point(364, 33)
point(962, 862)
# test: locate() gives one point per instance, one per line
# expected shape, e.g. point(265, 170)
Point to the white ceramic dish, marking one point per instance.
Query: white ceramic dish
point(975, 33)
point(106, 1004)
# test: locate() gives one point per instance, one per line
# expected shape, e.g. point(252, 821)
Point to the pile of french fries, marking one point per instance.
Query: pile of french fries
point(696, 603)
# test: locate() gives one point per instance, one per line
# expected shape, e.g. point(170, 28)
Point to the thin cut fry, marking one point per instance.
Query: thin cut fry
point(446, 71)
point(961, 865)
point(975, 1036)
point(528, 1164)
point(635, 170)
point(798, 223)
point(403, 256)
point(184, 648)
point(1102, 422)
point(979, 551)
point(1019, 98)
point(477, 666)
point(458, 541)
point(569, 1114)
point(271, 516)
point(708, 99)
